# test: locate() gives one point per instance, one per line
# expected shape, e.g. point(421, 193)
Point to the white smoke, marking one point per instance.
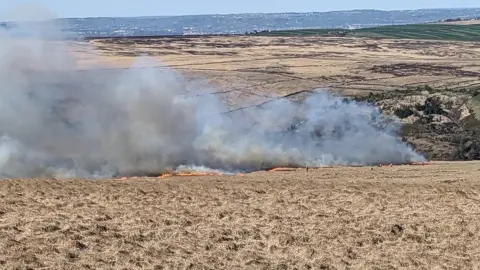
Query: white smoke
point(58, 121)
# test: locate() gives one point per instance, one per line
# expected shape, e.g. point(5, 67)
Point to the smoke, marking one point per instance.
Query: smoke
point(27, 11)
point(58, 121)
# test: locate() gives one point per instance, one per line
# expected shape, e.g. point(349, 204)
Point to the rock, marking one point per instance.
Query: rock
point(440, 119)
point(463, 112)
point(401, 108)
point(437, 104)
point(411, 119)
point(419, 114)
point(425, 92)
point(447, 101)
point(415, 100)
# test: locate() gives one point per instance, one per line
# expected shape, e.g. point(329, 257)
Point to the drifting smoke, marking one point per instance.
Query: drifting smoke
point(58, 121)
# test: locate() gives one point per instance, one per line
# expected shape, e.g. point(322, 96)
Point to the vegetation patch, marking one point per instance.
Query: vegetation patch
point(410, 31)
point(440, 123)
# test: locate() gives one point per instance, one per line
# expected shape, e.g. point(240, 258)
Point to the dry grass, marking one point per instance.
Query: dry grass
point(373, 217)
point(253, 66)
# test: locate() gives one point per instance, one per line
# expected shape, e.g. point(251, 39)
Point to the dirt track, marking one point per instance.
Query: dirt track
point(385, 217)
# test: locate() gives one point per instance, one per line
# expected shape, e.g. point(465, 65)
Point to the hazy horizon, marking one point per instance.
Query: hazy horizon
point(148, 8)
point(278, 12)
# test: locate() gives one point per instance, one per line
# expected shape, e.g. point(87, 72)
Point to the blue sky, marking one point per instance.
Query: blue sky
point(89, 8)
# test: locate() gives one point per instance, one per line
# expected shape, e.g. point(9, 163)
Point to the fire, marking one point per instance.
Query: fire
point(181, 174)
point(193, 173)
point(278, 169)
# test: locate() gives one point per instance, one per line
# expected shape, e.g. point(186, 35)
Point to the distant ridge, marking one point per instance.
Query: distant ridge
point(476, 9)
point(237, 24)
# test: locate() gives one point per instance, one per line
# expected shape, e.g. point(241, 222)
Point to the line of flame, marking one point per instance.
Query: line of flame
point(279, 169)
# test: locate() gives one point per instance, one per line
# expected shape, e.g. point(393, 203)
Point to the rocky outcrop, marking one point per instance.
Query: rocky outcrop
point(441, 125)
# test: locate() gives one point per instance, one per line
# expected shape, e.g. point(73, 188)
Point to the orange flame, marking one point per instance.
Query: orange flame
point(278, 169)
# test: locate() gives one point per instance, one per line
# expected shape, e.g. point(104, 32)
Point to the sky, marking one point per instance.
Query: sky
point(126, 8)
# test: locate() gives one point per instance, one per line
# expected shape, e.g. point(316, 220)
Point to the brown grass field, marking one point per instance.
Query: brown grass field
point(265, 65)
point(409, 217)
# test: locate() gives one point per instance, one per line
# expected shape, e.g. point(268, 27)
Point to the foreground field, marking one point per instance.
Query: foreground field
point(373, 217)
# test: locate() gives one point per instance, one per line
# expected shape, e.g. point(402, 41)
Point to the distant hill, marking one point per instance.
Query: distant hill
point(241, 23)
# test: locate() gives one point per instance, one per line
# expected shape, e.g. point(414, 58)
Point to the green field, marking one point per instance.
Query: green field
point(411, 31)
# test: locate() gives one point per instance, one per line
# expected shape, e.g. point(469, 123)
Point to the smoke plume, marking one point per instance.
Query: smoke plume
point(58, 121)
